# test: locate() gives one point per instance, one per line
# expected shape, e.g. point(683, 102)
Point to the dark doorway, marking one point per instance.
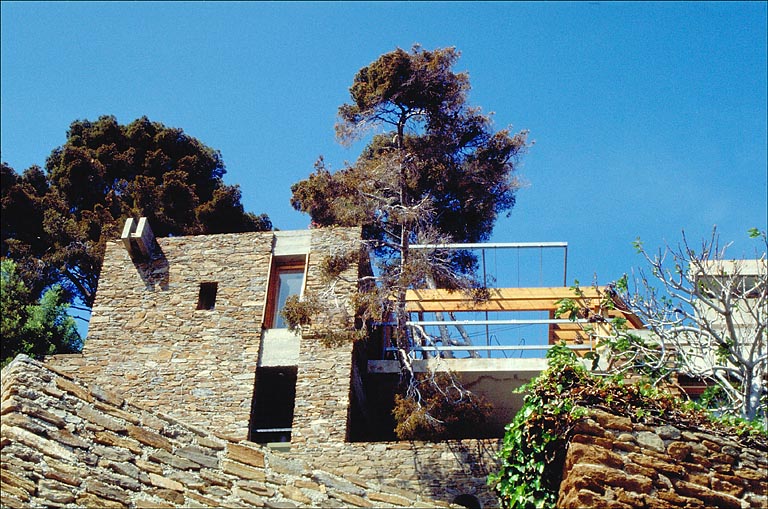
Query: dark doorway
point(272, 407)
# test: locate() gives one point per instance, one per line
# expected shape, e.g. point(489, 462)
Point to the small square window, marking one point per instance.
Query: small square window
point(207, 297)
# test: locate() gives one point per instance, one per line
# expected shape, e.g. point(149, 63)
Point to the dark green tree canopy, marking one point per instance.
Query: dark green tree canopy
point(435, 151)
point(55, 223)
point(433, 171)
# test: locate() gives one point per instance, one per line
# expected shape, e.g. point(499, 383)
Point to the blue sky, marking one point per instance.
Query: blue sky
point(648, 118)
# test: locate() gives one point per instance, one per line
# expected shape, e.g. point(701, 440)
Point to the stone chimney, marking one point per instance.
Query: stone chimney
point(138, 238)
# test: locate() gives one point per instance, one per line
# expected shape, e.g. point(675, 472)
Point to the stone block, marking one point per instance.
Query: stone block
point(216, 478)
point(116, 412)
point(190, 480)
point(386, 498)
point(650, 440)
point(657, 464)
point(667, 432)
point(111, 439)
point(65, 437)
point(634, 469)
point(610, 421)
point(107, 396)
point(41, 413)
point(202, 500)
point(200, 456)
point(248, 497)
point(28, 423)
point(163, 482)
point(163, 456)
point(149, 438)
point(679, 501)
point(145, 503)
point(211, 443)
point(146, 466)
point(583, 453)
point(259, 488)
point(706, 495)
point(588, 427)
point(242, 471)
point(117, 479)
point(46, 447)
point(731, 486)
point(64, 477)
point(12, 480)
point(91, 500)
point(112, 453)
point(295, 494)
point(106, 491)
point(11, 502)
point(678, 450)
point(124, 468)
point(596, 478)
point(245, 454)
point(603, 442)
point(99, 419)
point(335, 483)
point(74, 389)
point(351, 499)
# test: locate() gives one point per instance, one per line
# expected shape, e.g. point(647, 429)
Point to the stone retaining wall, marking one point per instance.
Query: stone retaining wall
point(439, 470)
point(65, 445)
point(613, 462)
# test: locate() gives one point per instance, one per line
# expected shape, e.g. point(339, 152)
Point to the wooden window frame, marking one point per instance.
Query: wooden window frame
point(282, 264)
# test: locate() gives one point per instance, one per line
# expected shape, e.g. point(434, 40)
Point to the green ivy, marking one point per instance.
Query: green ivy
point(535, 443)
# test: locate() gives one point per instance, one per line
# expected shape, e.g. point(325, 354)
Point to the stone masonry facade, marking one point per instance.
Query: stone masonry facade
point(156, 410)
point(147, 339)
point(63, 444)
point(148, 342)
point(613, 462)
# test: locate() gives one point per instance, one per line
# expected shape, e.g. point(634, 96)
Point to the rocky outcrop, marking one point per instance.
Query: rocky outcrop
point(617, 463)
point(67, 445)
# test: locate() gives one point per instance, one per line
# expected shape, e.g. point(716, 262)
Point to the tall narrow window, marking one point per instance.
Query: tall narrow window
point(287, 279)
point(272, 406)
point(206, 299)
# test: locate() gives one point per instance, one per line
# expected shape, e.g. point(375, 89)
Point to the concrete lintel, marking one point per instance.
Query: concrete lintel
point(296, 242)
point(279, 347)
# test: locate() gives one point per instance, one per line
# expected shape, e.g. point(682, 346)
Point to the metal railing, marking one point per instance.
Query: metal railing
point(487, 348)
point(436, 349)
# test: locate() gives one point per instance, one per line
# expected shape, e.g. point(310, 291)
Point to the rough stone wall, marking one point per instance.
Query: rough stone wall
point(337, 292)
point(323, 380)
point(65, 445)
point(148, 342)
point(147, 339)
point(614, 462)
point(442, 470)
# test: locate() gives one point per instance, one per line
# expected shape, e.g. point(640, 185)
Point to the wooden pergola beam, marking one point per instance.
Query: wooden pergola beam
point(507, 299)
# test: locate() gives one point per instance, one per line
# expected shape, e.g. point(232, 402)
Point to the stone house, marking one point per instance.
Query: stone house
point(188, 360)
point(191, 327)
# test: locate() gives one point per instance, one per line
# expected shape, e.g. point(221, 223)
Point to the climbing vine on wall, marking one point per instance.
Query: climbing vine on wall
point(534, 443)
point(534, 446)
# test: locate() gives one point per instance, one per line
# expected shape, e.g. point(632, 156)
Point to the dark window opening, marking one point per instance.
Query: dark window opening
point(206, 299)
point(286, 279)
point(272, 407)
point(468, 501)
